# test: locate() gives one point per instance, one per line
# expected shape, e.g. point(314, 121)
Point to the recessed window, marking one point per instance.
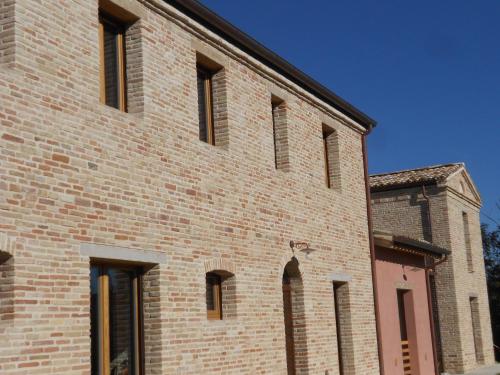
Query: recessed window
point(205, 105)
point(212, 102)
point(116, 315)
point(214, 296)
point(467, 242)
point(113, 63)
point(220, 295)
point(280, 133)
point(331, 159)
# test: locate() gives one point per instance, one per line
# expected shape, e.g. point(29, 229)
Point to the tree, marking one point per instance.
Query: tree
point(491, 248)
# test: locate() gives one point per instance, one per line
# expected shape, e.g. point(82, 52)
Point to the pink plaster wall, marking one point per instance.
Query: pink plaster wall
point(397, 270)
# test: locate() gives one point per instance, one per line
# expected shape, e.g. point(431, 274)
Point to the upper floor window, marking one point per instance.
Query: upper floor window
point(331, 157)
point(205, 105)
point(112, 62)
point(280, 133)
point(468, 246)
point(212, 102)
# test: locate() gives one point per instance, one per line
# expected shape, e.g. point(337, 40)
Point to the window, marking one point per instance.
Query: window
point(112, 65)
point(205, 105)
point(331, 157)
point(116, 320)
point(220, 295)
point(212, 102)
point(280, 133)
point(214, 296)
point(468, 247)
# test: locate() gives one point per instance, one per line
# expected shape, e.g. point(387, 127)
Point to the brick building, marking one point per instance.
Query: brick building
point(438, 209)
point(155, 165)
point(177, 199)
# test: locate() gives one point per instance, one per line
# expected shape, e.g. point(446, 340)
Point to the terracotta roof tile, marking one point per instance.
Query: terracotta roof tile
point(411, 177)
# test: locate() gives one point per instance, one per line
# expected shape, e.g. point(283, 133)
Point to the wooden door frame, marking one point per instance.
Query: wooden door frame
point(104, 346)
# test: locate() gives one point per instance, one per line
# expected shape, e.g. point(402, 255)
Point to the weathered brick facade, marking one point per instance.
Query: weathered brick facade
point(461, 295)
point(74, 171)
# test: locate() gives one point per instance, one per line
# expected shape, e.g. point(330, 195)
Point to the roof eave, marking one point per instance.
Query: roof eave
point(402, 186)
point(221, 27)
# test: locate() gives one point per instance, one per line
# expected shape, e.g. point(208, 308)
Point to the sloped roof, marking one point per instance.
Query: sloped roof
point(413, 177)
point(403, 243)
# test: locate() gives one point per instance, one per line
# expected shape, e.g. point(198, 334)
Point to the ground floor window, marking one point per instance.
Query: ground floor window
point(116, 321)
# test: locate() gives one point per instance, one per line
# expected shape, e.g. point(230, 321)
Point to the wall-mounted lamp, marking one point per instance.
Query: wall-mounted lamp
point(301, 246)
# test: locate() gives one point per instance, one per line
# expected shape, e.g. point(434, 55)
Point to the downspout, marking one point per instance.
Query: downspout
point(372, 250)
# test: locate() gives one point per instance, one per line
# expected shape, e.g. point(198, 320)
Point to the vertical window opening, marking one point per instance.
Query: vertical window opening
point(220, 295)
point(205, 105)
point(331, 160)
point(468, 247)
point(112, 62)
point(280, 133)
point(212, 102)
point(214, 296)
point(116, 320)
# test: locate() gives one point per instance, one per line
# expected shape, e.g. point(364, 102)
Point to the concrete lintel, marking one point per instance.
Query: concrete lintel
point(209, 52)
point(122, 254)
point(340, 277)
point(278, 92)
point(329, 121)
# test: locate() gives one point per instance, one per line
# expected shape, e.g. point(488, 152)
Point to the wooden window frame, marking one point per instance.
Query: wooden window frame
point(104, 17)
point(103, 323)
point(207, 76)
point(216, 313)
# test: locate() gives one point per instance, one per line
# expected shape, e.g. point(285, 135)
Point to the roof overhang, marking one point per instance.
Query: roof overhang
point(402, 243)
point(235, 36)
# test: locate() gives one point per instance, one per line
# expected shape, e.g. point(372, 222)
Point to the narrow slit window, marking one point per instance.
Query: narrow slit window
point(468, 246)
point(112, 62)
point(205, 105)
point(214, 296)
point(280, 133)
point(116, 320)
point(328, 154)
point(275, 104)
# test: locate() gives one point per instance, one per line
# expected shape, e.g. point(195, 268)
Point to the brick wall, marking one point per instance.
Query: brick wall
point(74, 171)
point(405, 212)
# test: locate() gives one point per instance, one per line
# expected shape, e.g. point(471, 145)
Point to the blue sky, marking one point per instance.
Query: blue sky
point(427, 71)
